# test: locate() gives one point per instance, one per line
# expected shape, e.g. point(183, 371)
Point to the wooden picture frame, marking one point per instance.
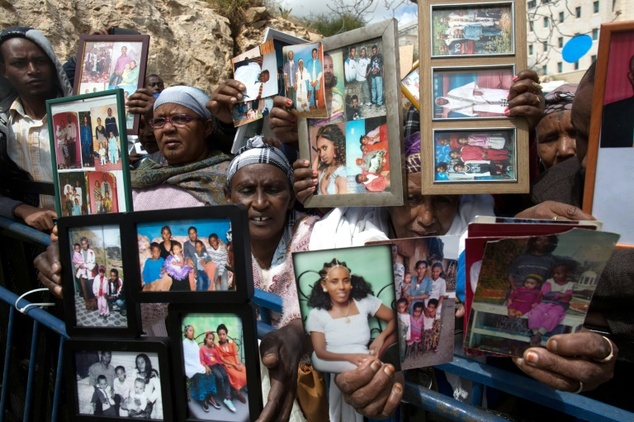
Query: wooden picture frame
point(240, 331)
point(99, 62)
point(83, 358)
point(610, 153)
point(380, 163)
point(461, 90)
point(90, 170)
point(97, 303)
point(229, 281)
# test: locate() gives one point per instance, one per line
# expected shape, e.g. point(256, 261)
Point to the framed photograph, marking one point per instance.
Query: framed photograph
point(106, 62)
point(357, 150)
point(257, 70)
point(90, 160)
point(476, 29)
point(347, 306)
point(95, 265)
point(471, 93)
point(410, 86)
point(425, 272)
point(194, 255)
point(610, 150)
point(225, 337)
point(530, 288)
point(114, 379)
point(304, 79)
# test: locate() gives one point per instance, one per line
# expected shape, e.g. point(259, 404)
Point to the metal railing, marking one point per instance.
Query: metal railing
point(481, 374)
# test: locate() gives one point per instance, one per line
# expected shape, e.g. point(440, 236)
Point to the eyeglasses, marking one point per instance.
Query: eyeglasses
point(176, 120)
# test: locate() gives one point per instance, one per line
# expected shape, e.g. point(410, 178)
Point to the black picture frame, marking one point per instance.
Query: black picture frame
point(80, 352)
point(241, 327)
point(108, 245)
point(232, 217)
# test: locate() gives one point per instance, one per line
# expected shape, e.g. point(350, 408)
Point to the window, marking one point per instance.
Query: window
point(544, 69)
point(578, 12)
point(560, 67)
point(530, 49)
point(531, 4)
point(595, 34)
point(595, 6)
point(546, 21)
point(530, 25)
point(577, 65)
point(560, 42)
point(561, 16)
point(546, 1)
point(545, 44)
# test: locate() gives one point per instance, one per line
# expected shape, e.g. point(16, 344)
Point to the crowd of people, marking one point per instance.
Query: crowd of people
point(192, 167)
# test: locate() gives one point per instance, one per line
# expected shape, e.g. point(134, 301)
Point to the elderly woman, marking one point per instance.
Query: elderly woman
point(554, 133)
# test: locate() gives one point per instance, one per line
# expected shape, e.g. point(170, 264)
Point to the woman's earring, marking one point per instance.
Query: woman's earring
point(325, 290)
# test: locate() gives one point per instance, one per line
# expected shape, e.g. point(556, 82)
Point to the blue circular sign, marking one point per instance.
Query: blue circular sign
point(576, 47)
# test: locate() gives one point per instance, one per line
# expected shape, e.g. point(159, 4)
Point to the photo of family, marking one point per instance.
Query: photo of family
point(531, 288)
point(304, 71)
point(257, 70)
point(191, 256)
point(483, 30)
point(351, 156)
point(114, 384)
point(460, 94)
point(346, 309)
point(89, 156)
point(215, 367)
point(98, 277)
point(475, 155)
point(410, 86)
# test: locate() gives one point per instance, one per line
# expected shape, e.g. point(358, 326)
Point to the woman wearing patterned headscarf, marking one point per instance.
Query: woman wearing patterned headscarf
point(554, 132)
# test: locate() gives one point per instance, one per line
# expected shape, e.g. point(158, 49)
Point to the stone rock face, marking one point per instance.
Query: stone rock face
point(190, 41)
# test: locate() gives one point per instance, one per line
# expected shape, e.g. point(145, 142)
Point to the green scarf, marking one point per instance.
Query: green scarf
point(204, 180)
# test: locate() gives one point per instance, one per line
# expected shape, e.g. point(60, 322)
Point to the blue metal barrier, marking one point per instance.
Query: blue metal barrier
point(431, 401)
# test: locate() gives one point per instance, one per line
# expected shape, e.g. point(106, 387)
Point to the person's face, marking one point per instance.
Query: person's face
point(431, 308)
point(362, 178)
point(176, 250)
point(113, 275)
point(182, 144)
point(103, 384)
point(408, 277)
point(109, 112)
point(155, 251)
point(338, 285)
point(193, 235)
point(84, 245)
point(264, 77)
point(326, 150)
point(265, 191)
point(77, 248)
point(560, 273)
point(155, 84)
point(199, 248)
point(420, 271)
point(374, 50)
point(99, 121)
point(124, 51)
point(463, 141)
point(146, 136)
point(189, 333)
point(529, 283)
point(353, 52)
point(580, 118)
point(440, 169)
point(27, 68)
point(555, 138)
point(121, 375)
point(441, 101)
point(106, 357)
point(363, 53)
point(458, 167)
point(222, 336)
point(291, 55)
point(209, 340)
point(85, 120)
point(423, 215)
point(435, 273)
point(166, 234)
point(541, 244)
point(314, 53)
point(132, 65)
point(214, 242)
point(417, 313)
point(139, 387)
point(328, 70)
point(140, 363)
point(355, 103)
point(402, 308)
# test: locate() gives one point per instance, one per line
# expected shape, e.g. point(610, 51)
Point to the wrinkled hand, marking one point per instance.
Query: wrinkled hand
point(372, 388)
point(548, 210)
point(224, 97)
point(37, 218)
point(49, 268)
point(305, 180)
point(570, 359)
point(283, 122)
point(526, 98)
point(141, 102)
point(281, 351)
